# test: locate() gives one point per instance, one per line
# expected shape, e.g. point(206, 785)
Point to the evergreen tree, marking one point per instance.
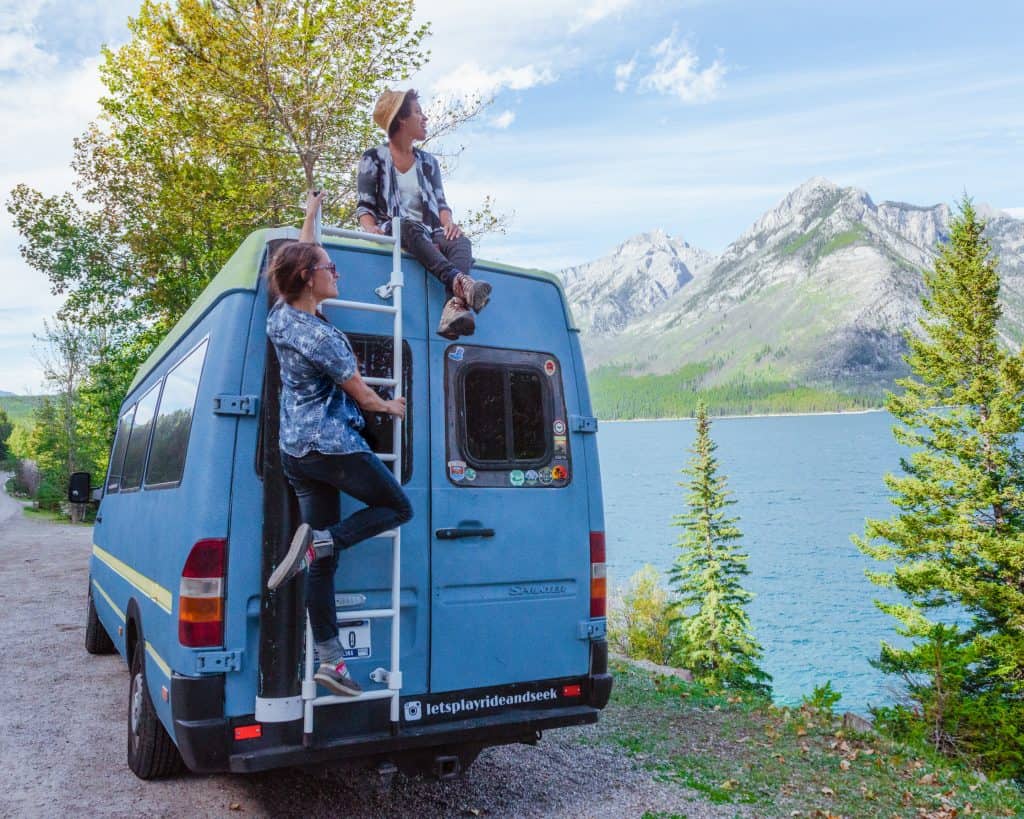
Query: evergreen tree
point(956, 543)
point(713, 634)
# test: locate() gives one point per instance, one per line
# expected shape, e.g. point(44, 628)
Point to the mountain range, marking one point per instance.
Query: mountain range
point(814, 297)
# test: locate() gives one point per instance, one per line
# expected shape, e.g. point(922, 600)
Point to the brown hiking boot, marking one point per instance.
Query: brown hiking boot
point(456, 320)
point(475, 293)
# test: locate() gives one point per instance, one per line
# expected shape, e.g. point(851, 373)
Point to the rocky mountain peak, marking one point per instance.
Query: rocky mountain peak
point(636, 277)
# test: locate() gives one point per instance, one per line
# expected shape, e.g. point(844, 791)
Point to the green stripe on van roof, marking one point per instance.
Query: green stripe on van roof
point(242, 270)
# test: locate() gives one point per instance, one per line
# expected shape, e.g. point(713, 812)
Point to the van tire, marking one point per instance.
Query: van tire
point(152, 753)
point(97, 641)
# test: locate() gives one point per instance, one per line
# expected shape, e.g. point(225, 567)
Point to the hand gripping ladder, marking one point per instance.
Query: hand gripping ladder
point(392, 676)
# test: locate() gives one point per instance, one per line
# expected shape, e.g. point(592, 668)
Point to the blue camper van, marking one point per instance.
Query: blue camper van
point(480, 622)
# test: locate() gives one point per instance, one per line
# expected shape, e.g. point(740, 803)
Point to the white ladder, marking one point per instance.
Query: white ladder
point(393, 675)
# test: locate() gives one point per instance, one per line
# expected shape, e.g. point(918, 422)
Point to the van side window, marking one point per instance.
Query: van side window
point(138, 439)
point(505, 419)
point(174, 421)
point(124, 427)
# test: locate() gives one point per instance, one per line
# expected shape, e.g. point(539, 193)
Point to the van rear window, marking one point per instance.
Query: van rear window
point(504, 415)
point(138, 440)
point(174, 421)
point(505, 419)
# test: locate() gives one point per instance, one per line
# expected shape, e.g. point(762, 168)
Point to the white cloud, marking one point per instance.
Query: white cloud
point(503, 120)
point(598, 10)
point(471, 79)
point(623, 73)
point(1016, 213)
point(677, 72)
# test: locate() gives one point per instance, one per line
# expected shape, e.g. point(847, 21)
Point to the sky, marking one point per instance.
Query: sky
point(610, 117)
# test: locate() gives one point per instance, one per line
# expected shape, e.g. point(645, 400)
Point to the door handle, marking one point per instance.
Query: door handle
point(454, 533)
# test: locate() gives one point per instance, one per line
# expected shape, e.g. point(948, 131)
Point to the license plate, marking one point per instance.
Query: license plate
point(355, 638)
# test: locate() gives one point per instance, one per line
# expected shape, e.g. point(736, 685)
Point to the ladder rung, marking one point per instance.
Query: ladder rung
point(332, 699)
point(379, 238)
point(380, 382)
point(361, 305)
point(387, 457)
point(367, 614)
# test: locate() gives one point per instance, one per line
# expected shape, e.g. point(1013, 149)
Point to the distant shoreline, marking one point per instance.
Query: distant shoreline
point(750, 415)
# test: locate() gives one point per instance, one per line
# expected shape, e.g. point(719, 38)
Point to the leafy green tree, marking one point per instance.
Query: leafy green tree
point(713, 632)
point(638, 622)
point(6, 428)
point(955, 545)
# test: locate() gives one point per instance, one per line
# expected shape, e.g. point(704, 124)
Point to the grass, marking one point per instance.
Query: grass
point(742, 750)
point(53, 516)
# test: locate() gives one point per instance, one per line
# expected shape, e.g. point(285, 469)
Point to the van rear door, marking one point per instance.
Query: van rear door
point(510, 561)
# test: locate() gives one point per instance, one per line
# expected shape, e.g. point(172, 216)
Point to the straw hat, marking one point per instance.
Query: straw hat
point(387, 107)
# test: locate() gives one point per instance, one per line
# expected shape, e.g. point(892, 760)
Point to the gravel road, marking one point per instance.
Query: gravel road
point(63, 731)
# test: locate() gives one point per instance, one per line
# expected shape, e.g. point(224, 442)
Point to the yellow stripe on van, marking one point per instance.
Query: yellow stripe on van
point(153, 590)
point(158, 659)
point(110, 602)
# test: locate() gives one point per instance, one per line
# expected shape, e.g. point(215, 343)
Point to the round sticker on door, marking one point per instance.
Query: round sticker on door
point(559, 427)
point(457, 470)
point(545, 475)
point(549, 366)
point(559, 473)
point(470, 474)
point(516, 477)
point(531, 476)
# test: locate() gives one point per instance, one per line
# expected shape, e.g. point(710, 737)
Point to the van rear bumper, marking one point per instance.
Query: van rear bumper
point(496, 729)
point(477, 717)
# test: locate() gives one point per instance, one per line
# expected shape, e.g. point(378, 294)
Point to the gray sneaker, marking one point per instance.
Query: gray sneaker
point(335, 678)
point(303, 551)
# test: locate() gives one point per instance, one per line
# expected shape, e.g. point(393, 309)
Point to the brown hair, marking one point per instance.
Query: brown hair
point(292, 268)
point(404, 111)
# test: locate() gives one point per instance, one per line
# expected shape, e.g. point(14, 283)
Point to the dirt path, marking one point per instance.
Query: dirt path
point(63, 730)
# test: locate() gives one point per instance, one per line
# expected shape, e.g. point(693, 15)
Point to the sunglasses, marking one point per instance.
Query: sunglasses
point(331, 267)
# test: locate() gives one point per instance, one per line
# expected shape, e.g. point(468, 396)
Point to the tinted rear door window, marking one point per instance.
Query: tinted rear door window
point(174, 421)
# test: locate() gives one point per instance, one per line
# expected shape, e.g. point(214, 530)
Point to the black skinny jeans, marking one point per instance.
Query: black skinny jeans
point(443, 258)
point(317, 479)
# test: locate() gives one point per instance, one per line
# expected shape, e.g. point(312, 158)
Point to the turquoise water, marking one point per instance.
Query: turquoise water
point(802, 485)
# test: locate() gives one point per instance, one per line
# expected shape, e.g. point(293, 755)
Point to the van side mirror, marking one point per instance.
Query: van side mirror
point(80, 487)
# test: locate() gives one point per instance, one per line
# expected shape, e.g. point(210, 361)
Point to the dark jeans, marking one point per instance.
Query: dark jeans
point(443, 258)
point(317, 479)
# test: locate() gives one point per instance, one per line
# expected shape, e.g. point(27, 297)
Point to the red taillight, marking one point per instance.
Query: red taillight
point(249, 731)
point(201, 595)
point(572, 690)
point(598, 576)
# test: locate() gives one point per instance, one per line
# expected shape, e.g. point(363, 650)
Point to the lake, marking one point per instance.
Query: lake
point(802, 485)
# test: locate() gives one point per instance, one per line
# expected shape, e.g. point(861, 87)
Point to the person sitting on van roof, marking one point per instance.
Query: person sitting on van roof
point(397, 179)
point(322, 450)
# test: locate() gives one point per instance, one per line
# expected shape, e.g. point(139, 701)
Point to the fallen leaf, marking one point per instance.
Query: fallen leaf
point(907, 797)
point(801, 731)
point(844, 765)
point(928, 779)
point(827, 791)
point(729, 785)
point(779, 757)
point(234, 806)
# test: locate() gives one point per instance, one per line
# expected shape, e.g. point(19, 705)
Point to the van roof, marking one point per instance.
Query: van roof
point(242, 270)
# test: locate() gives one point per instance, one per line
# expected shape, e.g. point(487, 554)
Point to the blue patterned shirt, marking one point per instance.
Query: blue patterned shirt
point(315, 357)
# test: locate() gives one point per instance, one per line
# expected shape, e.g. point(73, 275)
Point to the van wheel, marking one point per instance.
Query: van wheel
point(97, 641)
point(152, 754)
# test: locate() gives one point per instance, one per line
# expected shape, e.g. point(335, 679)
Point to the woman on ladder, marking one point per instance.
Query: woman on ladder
point(322, 449)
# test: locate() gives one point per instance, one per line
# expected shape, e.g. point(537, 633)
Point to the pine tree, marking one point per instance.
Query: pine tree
point(956, 542)
point(714, 637)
